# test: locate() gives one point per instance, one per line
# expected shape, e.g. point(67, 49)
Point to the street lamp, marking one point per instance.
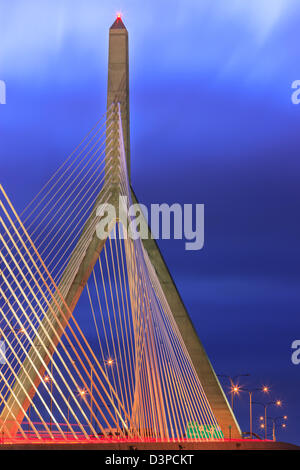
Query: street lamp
point(82, 392)
point(275, 422)
point(49, 380)
point(263, 389)
point(235, 389)
point(265, 405)
point(91, 393)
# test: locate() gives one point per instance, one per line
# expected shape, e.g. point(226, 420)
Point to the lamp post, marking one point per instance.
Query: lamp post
point(264, 389)
point(49, 380)
point(91, 395)
point(235, 389)
point(69, 409)
point(265, 405)
point(274, 423)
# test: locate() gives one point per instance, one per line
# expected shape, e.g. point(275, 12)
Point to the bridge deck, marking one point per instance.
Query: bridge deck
point(239, 444)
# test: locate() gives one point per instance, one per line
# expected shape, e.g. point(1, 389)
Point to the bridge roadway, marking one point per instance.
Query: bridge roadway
point(238, 444)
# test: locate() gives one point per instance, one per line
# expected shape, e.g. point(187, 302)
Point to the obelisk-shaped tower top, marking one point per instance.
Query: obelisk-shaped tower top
point(118, 24)
point(118, 77)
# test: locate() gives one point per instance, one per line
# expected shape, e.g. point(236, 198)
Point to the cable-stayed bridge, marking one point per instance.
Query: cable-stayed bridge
point(97, 343)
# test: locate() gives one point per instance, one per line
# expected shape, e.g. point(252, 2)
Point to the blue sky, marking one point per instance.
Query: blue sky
point(211, 122)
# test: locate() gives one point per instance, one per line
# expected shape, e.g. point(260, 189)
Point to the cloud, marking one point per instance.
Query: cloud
point(31, 30)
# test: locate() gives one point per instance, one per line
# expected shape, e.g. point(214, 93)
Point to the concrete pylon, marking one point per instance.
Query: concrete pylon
point(118, 78)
